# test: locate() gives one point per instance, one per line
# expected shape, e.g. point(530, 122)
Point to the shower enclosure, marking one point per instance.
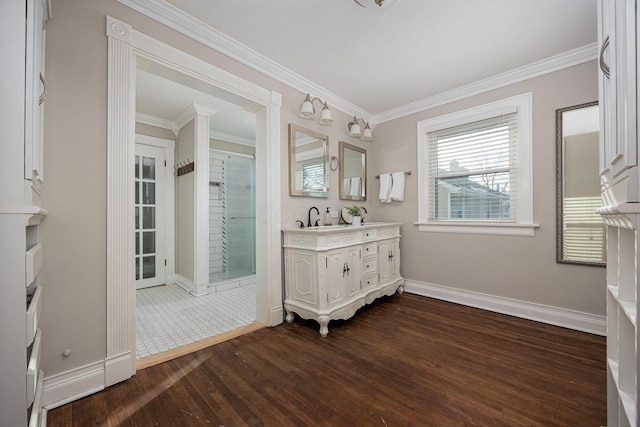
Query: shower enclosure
point(232, 220)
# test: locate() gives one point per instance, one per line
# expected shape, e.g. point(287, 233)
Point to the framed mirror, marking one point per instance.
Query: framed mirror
point(308, 162)
point(580, 230)
point(353, 172)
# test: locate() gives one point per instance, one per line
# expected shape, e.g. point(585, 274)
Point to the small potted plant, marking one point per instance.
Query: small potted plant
point(356, 215)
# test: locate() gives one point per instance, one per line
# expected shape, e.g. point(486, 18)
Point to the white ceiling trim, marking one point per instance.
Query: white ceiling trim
point(154, 121)
point(177, 19)
point(555, 63)
point(221, 136)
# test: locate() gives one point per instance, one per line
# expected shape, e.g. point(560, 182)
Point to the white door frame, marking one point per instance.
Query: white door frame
point(124, 46)
point(169, 196)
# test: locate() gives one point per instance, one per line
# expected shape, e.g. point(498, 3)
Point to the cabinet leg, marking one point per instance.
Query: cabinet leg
point(289, 317)
point(324, 325)
point(400, 289)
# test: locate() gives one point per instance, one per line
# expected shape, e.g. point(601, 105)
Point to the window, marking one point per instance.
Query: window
point(475, 170)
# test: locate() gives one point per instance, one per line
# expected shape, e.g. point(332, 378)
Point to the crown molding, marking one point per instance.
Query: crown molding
point(555, 63)
point(154, 121)
point(232, 138)
point(175, 18)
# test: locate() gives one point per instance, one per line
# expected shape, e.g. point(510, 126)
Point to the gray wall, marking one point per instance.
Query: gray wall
point(185, 205)
point(522, 268)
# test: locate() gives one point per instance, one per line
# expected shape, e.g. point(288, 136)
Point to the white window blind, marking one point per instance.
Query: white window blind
point(473, 171)
point(584, 229)
point(310, 175)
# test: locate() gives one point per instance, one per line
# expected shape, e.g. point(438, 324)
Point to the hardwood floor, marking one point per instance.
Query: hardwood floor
point(404, 360)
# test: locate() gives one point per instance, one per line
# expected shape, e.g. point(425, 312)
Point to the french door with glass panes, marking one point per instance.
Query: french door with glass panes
point(150, 245)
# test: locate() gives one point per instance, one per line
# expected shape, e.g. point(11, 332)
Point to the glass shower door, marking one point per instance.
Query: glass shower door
point(240, 217)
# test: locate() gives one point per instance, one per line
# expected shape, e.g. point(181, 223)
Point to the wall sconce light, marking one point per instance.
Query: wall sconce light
point(356, 132)
point(307, 110)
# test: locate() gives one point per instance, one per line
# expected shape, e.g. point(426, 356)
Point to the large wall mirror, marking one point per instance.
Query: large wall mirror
point(580, 230)
point(353, 172)
point(308, 162)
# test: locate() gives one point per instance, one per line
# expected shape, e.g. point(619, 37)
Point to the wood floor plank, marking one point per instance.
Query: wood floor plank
point(404, 360)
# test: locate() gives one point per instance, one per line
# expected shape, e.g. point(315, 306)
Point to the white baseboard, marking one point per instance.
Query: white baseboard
point(185, 284)
point(277, 315)
point(119, 368)
point(72, 385)
point(571, 319)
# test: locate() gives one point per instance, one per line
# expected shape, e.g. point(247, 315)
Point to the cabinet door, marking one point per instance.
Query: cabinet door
point(617, 85)
point(343, 274)
point(389, 260)
point(301, 283)
point(336, 273)
point(352, 280)
point(394, 259)
point(35, 90)
point(384, 250)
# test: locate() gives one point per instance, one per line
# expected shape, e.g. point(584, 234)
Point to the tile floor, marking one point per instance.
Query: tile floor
point(168, 316)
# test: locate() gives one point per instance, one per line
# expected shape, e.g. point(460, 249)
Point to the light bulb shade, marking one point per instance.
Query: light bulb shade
point(366, 133)
point(354, 129)
point(325, 116)
point(306, 109)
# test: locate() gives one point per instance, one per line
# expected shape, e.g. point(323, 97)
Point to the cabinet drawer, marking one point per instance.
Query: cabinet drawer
point(369, 235)
point(370, 281)
point(33, 368)
point(369, 249)
point(36, 408)
point(369, 265)
point(33, 316)
point(34, 263)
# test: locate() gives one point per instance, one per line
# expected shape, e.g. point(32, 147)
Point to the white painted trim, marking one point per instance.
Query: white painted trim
point(124, 46)
point(190, 286)
point(173, 17)
point(549, 65)
point(580, 321)
point(501, 229)
point(201, 208)
point(121, 325)
point(154, 121)
point(231, 138)
point(523, 106)
point(72, 385)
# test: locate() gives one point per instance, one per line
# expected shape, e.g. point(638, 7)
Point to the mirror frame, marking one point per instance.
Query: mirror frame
point(344, 146)
point(293, 128)
point(560, 189)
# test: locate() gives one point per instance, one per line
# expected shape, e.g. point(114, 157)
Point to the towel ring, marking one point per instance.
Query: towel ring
point(333, 158)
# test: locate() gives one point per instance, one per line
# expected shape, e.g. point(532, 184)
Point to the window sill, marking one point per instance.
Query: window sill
point(500, 229)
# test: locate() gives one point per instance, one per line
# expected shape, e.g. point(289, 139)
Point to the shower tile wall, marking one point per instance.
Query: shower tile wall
point(216, 210)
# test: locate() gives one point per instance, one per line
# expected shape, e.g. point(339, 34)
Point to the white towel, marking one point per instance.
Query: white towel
point(356, 187)
point(347, 186)
point(385, 187)
point(397, 188)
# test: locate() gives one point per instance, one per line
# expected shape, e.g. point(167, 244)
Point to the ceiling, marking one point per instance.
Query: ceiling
point(379, 59)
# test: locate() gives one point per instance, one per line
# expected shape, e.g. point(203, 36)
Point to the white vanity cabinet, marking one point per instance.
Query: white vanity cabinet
point(330, 272)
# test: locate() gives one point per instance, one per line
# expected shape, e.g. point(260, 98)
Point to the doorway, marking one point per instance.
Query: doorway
point(126, 46)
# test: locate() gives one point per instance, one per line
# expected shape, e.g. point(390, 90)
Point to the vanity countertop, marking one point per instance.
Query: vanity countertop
point(339, 228)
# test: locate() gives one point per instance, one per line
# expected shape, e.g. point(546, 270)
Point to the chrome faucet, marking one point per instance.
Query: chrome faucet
point(365, 211)
point(309, 224)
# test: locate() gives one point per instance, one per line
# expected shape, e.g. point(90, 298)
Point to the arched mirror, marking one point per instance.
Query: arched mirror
point(353, 172)
point(308, 162)
point(580, 230)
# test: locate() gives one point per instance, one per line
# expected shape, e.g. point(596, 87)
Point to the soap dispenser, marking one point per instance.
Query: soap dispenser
point(327, 218)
